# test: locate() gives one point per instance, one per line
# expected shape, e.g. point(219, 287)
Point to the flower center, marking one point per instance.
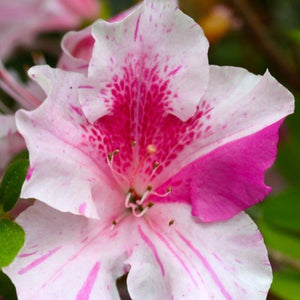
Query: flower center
point(137, 203)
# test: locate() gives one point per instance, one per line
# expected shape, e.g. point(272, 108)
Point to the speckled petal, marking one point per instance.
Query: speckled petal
point(156, 51)
point(65, 169)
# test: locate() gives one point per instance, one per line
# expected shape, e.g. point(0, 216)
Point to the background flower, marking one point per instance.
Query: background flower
point(21, 21)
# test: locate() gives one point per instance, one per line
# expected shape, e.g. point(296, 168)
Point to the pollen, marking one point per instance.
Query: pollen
point(151, 149)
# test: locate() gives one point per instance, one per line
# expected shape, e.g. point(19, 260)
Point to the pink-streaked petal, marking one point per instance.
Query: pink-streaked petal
point(11, 142)
point(236, 104)
point(191, 260)
point(227, 180)
point(65, 169)
point(165, 62)
point(67, 256)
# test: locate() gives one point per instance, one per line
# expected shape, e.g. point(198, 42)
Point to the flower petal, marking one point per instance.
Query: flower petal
point(67, 256)
point(192, 260)
point(65, 167)
point(77, 50)
point(155, 47)
point(78, 45)
point(236, 104)
point(227, 180)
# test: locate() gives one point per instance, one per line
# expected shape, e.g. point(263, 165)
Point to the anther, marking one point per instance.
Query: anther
point(155, 165)
point(146, 194)
point(150, 204)
point(171, 222)
point(138, 215)
point(117, 221)
point(133, 143)
point(109, 156)
point(115, 152)
point(116, 174)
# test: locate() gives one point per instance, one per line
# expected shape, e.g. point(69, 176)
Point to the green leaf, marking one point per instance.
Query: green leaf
point(7, 289)
point(12, 238)
point(11, 184)
point(283, 211)
point(23, 155)
point(280, 240)
point(286, 285)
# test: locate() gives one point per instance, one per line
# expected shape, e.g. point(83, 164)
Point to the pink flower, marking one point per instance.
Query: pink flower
point(123, 152)
point(21, 21)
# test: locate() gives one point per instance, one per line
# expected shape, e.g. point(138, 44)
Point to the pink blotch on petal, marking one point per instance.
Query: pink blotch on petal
point(86, 289)
point(208, 267)
point(82, 208)
point(38, 261)
point(29, 173)
point(27, 254)
point(180, 260)
point(153, 249)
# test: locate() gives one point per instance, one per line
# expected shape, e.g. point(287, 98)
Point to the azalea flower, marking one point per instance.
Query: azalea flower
point(142, 164)
point(21, 21)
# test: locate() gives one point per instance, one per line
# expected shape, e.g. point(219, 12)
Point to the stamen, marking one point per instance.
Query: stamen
point(145, 196)
point(169, 190)
point(138, 215)
point(151, 149)
point(127, 200)
point(115, 152)
point(155, 165)
point(133, 143)
point(116, 174)
point(117, 221)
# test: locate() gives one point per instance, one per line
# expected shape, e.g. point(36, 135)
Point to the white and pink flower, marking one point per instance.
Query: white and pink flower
point(142, 162)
